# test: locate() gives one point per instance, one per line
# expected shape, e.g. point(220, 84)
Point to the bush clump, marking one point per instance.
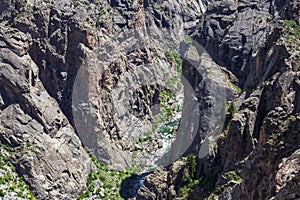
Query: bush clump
point(231, 110)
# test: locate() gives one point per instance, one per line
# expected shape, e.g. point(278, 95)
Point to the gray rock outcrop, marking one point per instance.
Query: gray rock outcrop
point(106, 76)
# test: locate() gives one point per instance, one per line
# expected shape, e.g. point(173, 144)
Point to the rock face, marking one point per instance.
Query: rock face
point(162, 184)
point(287, 177)
point(47, 152)
point(107, 76)
point(261, 51)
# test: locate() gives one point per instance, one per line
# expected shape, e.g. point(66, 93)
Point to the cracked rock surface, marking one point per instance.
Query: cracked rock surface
point(209, 90)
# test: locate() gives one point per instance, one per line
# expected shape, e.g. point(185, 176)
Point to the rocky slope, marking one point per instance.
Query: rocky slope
point(143, 83)
point(259, 43)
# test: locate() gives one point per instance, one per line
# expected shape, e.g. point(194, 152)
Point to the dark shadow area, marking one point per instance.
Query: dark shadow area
point(130, 186)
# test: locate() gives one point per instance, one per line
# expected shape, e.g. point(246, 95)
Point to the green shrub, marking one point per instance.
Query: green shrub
point(179, 109)
point(2, 181)
point(237, 88)
point(231, 109)
point(20, 194)
point(292, 26)
point(270, 18)
point(7, 148)
point(8, 177)
point(108, 185)
point(191, 160)
point(92, 187)
point(110, 179)
point(30, 195)
point(173, 56)
point(188, 39)
point(2, 193)
point(102, 178)
point(165, 96)
point(98, 191)
point(232, 175)
point(12, 188)
point(167, 112)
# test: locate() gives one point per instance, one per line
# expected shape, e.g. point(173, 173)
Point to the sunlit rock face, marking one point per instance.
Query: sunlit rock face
point(142, 84)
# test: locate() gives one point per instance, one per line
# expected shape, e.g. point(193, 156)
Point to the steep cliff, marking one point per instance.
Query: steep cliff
point(258, 42)
point(208, 90)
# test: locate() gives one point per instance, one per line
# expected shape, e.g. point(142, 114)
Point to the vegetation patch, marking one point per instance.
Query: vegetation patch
point(105, 183)
point(174, 57)
point(190, 183)
point(236, 88)
point(12, 185)
point(231, 109)
point(292, 26)
point(283, 126)
point(191, 160)
point(188, 39)
point(270, 18)
point(167, 111)
point(233, 176)
point(190, 187)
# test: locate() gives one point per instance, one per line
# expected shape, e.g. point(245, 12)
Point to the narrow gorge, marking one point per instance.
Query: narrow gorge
point(150, 99)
